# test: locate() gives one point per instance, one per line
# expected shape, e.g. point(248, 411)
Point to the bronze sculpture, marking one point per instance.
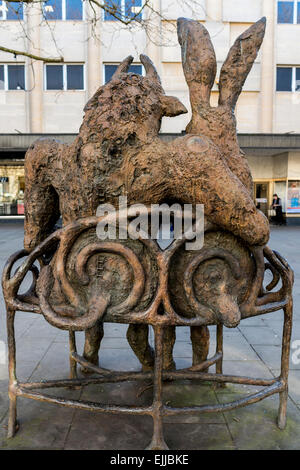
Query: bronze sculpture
point(84, 282)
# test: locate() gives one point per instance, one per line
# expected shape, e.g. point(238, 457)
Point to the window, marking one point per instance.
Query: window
point(288, 79)
point(64, 77)
point(288, 12)
point(12, 77)
point(284, 78)
point(11, 10)
point(63, 10)
point(73, 9)
point(109, 70)
point(123, 9)
point(75, 77)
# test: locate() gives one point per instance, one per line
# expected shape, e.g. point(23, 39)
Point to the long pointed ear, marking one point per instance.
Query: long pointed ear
point(239, 63)
point(198, 59)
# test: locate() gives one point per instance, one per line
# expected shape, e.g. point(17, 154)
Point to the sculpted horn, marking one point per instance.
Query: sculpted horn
point(123, 67)
point(151, 71)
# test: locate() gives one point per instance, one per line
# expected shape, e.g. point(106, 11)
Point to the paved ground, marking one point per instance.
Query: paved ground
point(251, 349)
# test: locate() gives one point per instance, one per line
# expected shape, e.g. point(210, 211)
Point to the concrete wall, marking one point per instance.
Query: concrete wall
point(242, 10)
point(282, 166)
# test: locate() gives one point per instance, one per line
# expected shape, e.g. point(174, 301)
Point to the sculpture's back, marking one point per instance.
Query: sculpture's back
point(118, 153)
point(83, 281)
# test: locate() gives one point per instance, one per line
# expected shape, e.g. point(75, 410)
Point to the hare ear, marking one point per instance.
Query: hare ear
point(198, 59)
point(239, 63)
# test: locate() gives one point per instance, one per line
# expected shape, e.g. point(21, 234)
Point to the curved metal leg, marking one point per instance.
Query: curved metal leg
point(285, 357)
point(12, 415)
point(158, 441)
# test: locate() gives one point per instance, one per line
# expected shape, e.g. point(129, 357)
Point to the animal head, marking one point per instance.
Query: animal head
point(131, 103)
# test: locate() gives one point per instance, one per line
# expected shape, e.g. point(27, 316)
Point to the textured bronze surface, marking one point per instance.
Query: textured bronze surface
point(79, 281)
point(59, 291)
point(118, 151)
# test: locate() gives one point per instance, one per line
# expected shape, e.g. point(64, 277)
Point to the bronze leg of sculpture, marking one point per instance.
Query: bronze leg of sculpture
point(285, 357)
point(73, 349)
point(12, 416)
point(158, 442)
point(137, 337)
point(169, 338)
point(219, 349)
point(93, 338)
point(200, 344)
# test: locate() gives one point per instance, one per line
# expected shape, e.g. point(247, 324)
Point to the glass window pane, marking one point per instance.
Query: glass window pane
point(285, 12)
point(297, 79)
point(111, 68)
point(115, 6)
point(74, 9)
point(298, 13)
point(284, 79)
point(135, 69)
point(1, 77)
point(75, 77)
point(1, 10)
point(14, 11)
point(53, 9)
point(16, 77)
point(54, 77)
point(132, 7)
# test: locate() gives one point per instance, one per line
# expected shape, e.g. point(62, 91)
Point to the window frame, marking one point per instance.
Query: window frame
point(123, 11)
point(64, 12)
point(4, 14)
point(118, 63)
point(294, 80)
point(65, 78)
point(295, 11)
point(6, 77)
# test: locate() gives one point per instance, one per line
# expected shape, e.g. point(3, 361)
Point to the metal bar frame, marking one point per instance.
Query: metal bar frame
point(259, 301)
point(157, 409)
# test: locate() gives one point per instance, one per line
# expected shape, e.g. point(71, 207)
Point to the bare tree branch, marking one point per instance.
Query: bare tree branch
point(31, 56)
point(129, 20)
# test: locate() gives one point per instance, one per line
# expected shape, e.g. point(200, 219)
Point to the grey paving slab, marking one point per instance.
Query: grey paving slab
point(260, 335)
point(198, 437)
point(271, 356)
point(254, 427)
point(42, 425)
